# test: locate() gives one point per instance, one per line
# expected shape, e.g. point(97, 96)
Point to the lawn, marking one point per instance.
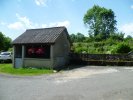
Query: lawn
point(8, 69)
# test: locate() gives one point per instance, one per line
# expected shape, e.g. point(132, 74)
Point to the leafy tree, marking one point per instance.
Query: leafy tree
point(117, 36)
point(128, 38)
point(100, 21)
point(5, 42)
point(73, 38)
point(1, 41)
point(79, 37)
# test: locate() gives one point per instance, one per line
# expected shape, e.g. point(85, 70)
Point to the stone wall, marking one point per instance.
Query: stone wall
point(102, 59)
point(110, 57)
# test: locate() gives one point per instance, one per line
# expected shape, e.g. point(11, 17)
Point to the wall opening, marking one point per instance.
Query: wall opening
point(37, 51)
point(18, 51)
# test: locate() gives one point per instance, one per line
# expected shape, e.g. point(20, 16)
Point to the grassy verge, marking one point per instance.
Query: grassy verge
point(7, 68)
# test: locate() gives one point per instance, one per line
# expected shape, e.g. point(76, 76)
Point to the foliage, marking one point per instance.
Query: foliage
point(5, 42)
point(123, 48)
point(1, 41)
point(108, 46)
point(128, 38)
point(101, 22)
point(10, 49)
point(81, 50)
point(77, 37)
point(103, 38)
point(7, 68)
point(117, 36)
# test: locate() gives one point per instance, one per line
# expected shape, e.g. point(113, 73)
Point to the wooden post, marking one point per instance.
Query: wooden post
point(23, 53)
point(13, 57)
point(51, 56)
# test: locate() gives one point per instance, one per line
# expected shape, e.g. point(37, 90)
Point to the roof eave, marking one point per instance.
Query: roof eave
point(33, 43)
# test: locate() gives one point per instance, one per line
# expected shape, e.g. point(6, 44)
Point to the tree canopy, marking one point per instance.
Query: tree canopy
point(5, 42)
point(101, 22)
point(79, 37)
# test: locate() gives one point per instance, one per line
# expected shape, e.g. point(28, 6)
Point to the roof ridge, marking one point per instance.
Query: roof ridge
point(46, 28)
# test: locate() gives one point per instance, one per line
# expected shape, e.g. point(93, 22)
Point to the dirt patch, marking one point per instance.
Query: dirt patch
point(83, 73)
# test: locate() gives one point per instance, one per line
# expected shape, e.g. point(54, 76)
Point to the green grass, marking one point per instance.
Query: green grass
point(8, 69)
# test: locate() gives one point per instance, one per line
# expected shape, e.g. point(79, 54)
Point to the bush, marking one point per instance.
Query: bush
point(123, 48)
point(98, 44)
point(81, 49)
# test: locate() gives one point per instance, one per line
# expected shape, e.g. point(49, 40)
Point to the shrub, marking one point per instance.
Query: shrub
point(123, 48)
point(81, 50)
point(98, 44)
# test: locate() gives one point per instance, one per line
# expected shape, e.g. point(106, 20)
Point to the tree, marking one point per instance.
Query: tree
point(101, 21)
point(1, 41)
point(79, 37)
point(5, 42)
point(117, 36)
point(128, 38)
point(73, 37)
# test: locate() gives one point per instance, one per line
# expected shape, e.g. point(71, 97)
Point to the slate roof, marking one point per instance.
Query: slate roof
point(44, 35)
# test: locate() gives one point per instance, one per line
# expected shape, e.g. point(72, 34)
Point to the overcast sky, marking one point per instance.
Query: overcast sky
point(18, 15)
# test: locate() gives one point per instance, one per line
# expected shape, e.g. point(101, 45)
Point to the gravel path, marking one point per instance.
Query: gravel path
point(86, 83)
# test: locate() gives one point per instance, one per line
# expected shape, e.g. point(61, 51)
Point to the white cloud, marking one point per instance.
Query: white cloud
point(24, 23)
point(16, 26)
point(57, 24)
point(53, 24)
point(63, 23)
point(44, 25)
point(127, 29)
point(41, 2)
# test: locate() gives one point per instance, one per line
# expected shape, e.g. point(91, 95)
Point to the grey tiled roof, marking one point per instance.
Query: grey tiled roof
point(44, 35)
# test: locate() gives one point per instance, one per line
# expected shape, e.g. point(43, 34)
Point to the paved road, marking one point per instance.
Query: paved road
point(87, 83)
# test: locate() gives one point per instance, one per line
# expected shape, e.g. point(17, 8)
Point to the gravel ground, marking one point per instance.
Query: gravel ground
point(85, 83)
